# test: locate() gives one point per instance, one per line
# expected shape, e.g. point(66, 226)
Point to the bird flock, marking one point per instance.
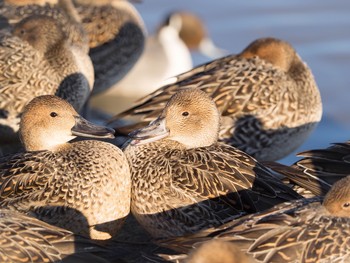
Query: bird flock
point(187, 173)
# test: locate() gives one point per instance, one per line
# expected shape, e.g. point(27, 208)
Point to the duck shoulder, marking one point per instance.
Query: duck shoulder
point(224, 170)
point(116, 36)
point(37, 179)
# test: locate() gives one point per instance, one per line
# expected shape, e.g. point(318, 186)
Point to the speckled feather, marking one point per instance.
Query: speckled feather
point(319, 169)
point(103, 22)
point(117, 33)
point(26, 239)
point(74, 31)
point(178, 191)
point(78, 188)
point(301, 231)
point(27, 73)
point(262, 106)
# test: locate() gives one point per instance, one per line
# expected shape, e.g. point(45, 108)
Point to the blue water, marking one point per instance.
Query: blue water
point(319, 31)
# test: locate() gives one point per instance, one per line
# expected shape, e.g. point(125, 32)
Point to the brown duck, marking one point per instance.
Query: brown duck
point(183, 180)
point(81, 186)
point(37, 59)
point(267, 97)
point(306, 230)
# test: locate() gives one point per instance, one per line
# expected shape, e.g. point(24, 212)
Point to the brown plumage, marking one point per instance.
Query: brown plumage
point(112, 29)
point(319, 169)
point(81, 186)
point(36, 59)
point(62, 11)
point(116, 33)
point(27, 239)
point(301, 231)
point(183, 180)
point(267, 97)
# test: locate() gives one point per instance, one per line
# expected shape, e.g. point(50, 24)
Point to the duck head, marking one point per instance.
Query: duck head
point(192, 31)
point(275, 51)
point(41, 32)
point(190, 118)
point(337, 200)
point(48, 122)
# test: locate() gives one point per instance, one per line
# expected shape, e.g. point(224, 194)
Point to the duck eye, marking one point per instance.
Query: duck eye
point(346, 205)
point(53, 114)
point(185, 113)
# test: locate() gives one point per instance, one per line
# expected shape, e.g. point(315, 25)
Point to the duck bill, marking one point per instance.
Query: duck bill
point(155, 131)
point(85, 128)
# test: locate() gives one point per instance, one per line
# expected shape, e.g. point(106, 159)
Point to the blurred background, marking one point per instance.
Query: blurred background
point(318, 30)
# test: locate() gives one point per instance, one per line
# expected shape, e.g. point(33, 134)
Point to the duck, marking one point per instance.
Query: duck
point(167, 53)
point(116, 38)
point(37, 60)
point(318, 169)
point(82, 186)
point(216, 251)
point(267, 96)
point(184, 180)
point(306, 230)
point(63, 11)
point(112, 32)
point(27, 239)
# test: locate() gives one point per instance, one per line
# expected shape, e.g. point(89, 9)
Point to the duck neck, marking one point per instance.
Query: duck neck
point(177, 53)
point(38, 142)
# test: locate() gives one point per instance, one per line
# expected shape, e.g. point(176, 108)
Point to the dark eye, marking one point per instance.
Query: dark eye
point(53, 114)
point(185, 113)
point(346, 205)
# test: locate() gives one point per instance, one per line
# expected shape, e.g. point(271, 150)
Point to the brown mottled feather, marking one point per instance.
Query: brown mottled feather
point(263, 101)
point(319, 169)
point(117, 34)
point(13, 12)
point(34, 63)
point(185, 181)
point(82, 186)
point(199, 188)
point(26, 239)
point(76, 188)
point(301, 231)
